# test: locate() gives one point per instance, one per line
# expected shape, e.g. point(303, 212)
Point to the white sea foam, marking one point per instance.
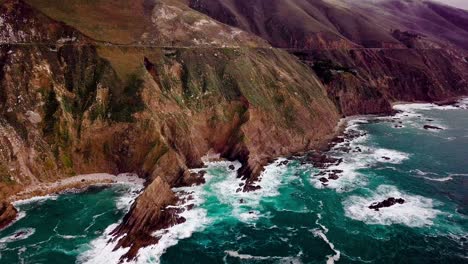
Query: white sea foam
point(444, 179)
point(245, 204)
point(463, 103)
point(420, 172)
point(321, 232)
point(448, 178)
point(417, 211)
point(226, 189)
point(124, 202)
point(19, 234)
point(412, 115)
point(277, 259)
point(353, 161)
point(35, 199)
point(390, 156)
point(435, 176)
point(20, 215)
point(196, 220)
point(100, 250)
point(411, 108)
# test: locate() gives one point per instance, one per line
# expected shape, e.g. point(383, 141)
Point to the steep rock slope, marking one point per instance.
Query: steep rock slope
point(368, 53)
point(70, 104)
point(145, 23)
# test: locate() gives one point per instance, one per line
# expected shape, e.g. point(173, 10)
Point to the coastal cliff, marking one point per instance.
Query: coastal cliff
point(151, 87)
point(71, 104)
point(368, 54)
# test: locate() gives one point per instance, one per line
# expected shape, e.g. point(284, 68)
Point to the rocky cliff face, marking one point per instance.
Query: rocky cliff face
point(70, 104)
point(367, 81)
point(152, 86)
point(390, 50)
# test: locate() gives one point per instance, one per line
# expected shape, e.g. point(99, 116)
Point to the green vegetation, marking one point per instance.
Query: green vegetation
point(5, 175)
point(51, 107)
point(124, 105)
point(326, 70)
point(157, 151)
point(117, 21)
point(66, 160)
point(98, 111)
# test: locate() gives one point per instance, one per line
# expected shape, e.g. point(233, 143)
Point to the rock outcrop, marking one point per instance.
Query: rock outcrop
point(386, 203)
point(89, 105)
point(389, 50)
point(8, 213)
point(367, 81)
point(152, 86)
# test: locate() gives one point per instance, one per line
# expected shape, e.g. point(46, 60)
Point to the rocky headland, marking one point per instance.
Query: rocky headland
point(81, 93)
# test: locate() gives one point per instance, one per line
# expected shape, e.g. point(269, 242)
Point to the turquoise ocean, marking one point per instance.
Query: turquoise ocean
point(294, 217)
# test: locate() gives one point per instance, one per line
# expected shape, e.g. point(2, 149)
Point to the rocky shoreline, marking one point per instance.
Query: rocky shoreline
point(319, 158)
point(8, 214)
point(79, 183)
point(170, 214)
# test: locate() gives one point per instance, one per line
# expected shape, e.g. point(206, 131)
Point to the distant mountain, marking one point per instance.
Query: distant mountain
point(145, 87)
point(151, 86)
point(368, 52)
point(312, 24)
point(455, 3)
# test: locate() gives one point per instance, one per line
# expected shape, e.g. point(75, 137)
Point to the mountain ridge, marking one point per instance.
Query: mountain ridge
point(74, 108)
point(155, 94)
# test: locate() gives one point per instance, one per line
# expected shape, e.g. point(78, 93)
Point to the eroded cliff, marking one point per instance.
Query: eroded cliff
point(152, 86)
point(390, 50)
point(70, 104)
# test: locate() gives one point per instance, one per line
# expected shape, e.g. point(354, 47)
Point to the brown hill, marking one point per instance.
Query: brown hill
point(368, 53)
point(88, 105)
point(322, 24)
point(152, 86)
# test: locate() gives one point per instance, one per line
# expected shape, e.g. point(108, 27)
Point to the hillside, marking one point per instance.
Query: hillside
point(71, 104)
point(153, 86)
point(368, 53)
point(328, 24)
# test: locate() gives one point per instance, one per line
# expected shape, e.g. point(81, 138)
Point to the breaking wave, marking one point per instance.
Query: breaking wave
point(359, 155)
point(416, 211)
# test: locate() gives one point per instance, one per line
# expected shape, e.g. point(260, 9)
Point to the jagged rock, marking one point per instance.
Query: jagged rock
point(429, 127)
point(321, 161)
point(251, 188)
point(386, 203)
point(7, 214)
point(157, 111)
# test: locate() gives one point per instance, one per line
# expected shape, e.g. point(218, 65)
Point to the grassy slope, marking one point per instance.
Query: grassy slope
point(113, 21)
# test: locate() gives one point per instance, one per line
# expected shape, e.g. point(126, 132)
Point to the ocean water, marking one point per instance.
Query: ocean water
point(57, 229)
point(294, 218)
